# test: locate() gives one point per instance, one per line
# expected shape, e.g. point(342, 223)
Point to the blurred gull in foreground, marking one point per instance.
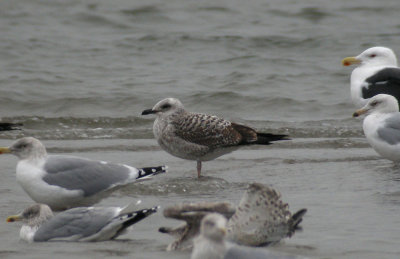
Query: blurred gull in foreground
point(63, 182)
point(77, 224)
point(260, 219)
point(200, 137)
point(211, 243)
point(376, 73)
point(382, 125)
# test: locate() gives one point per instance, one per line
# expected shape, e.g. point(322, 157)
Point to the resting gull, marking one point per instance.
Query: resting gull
point(77, 224)
point(63, 182)
point(376, 73)
point(382, 125)
point(260, 219)
point(211, 243)
point(200, 137)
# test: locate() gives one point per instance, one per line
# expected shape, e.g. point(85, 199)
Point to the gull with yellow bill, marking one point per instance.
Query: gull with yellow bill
point(64, 182)
point(382, 125)
point(376, 73)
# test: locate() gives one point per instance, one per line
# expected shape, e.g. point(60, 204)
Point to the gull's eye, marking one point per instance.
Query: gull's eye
point(372, 55)
point(22, 146)
point(374, 103)
point(209, 223)
point(166, 106)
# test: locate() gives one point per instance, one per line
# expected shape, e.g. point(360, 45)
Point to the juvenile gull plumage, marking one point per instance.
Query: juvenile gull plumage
point(260, 219)
point(382, 125)
point(376, 73)
point(64, 182)
point(211, 243)
point(200, 137)
point(77, 224)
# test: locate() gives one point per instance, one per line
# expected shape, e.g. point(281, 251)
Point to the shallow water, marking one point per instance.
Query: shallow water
point(79, 73)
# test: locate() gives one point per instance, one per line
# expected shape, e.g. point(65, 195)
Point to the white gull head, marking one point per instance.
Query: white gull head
point(210, 243)
point(165, 107)
point(27, 148)
point(381, 103)
point(213, 226)
point(378, 56)
point(32, 217)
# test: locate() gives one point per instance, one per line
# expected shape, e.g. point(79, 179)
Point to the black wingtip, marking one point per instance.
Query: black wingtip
point(4, 126)
point(149, 171)
point(135, 216)
point(267, 138)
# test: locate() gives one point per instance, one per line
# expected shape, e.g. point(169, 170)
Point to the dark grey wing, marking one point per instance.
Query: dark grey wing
point(74, 173)
point(75, 223)
point(240, 252)
point(386, 81)
point(390, 131)
point(261, 217)
point(208, 130)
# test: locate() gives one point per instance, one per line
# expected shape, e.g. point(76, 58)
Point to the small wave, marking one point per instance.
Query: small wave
point(141, 128)
point(146, 13)
point(98, 21)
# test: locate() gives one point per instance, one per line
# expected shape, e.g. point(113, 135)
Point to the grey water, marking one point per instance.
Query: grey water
point(78, 73)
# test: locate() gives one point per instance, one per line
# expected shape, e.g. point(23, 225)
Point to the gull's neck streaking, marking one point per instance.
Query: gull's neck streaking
point(28, 148)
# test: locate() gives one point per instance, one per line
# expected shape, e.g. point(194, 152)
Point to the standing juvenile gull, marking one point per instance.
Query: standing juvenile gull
point(211, 243)
point(200, 137)
point(77, 224)
point(260, 219)
point(376, 73)
point(64, 182)
point(382, 125)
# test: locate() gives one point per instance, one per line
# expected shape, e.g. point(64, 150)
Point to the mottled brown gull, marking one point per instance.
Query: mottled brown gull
point(63, 182)
point(211, 243)
point(260, 219)
point(200, 137)
point(77, 224)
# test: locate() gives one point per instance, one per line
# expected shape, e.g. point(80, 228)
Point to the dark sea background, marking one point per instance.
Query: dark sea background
point(78, 73)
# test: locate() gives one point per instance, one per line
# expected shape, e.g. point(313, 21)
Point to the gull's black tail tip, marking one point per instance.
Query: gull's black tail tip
point(150, 171)
point(267, 138)
point(4, 126)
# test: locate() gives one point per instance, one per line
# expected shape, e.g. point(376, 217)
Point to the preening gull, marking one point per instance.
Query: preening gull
point(77, 224)
point(260, 219)
point(200, 137)
point(382, 125)
point(63, 182)
point(376, 73)
point(211, 243)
